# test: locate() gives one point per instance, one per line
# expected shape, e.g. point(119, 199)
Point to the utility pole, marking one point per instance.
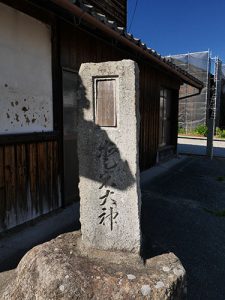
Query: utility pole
point(212, 107)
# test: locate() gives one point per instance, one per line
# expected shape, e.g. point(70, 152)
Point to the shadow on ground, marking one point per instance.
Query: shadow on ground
point(15, 243)
point(200, 149)
point(174, 219)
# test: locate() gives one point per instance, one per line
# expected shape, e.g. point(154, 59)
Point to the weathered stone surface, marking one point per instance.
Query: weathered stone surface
point(6, 278)
point(65, 269)
point(109, 157)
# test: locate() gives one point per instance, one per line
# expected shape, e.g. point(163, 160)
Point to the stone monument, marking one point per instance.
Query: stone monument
point(108, 138)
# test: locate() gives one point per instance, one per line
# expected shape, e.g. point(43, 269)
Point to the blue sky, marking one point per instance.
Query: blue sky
point(173, 27)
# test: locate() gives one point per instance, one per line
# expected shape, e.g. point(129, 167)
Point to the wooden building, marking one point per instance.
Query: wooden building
point(43, 44)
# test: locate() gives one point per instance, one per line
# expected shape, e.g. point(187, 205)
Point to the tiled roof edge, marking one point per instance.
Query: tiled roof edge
point(129, 36)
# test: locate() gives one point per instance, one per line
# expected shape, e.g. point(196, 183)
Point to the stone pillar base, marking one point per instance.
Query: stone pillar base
point(65, 269)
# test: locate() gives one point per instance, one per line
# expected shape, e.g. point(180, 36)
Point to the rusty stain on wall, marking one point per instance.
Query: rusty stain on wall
point(18, 115)
point(25, 109)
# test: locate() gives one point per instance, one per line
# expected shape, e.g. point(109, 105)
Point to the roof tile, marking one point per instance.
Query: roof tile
point(129, 36)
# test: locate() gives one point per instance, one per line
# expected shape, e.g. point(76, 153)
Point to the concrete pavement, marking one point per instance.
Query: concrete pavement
point(175, 218)
point(197, 146)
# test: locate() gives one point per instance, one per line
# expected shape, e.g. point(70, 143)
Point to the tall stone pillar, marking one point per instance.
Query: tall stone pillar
point(108, 139)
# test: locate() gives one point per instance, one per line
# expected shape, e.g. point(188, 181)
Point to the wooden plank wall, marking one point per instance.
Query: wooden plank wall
point(149, 111)
point(29, 181)
point(78, 46)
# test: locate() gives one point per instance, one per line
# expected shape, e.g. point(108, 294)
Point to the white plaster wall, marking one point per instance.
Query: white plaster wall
point(25, 73)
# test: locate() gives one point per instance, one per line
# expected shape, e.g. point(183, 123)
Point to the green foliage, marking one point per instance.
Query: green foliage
point(216, 213)
point(181, 130)
point(220, 178)
point(201, 130)
point(220, 133)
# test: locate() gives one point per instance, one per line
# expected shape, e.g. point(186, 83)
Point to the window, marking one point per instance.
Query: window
point(165, 117)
